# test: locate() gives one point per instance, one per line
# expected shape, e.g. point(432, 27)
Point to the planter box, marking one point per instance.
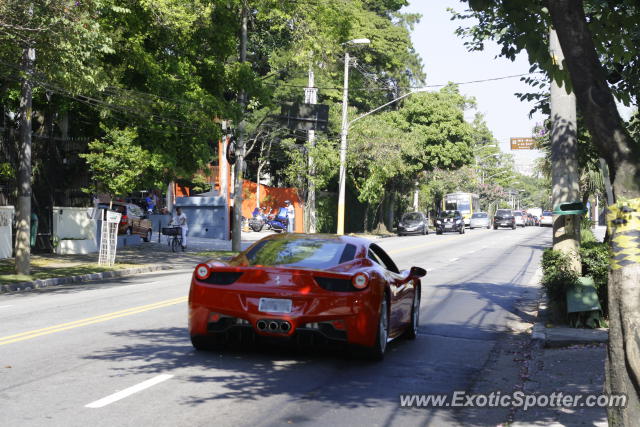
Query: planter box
point(73, 247)
point(6, 219)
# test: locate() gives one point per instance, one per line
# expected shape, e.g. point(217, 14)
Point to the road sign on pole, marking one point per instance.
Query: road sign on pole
point(523, 144)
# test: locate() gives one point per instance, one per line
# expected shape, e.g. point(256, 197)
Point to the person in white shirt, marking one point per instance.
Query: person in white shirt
point(291, 216)
point(181, 220)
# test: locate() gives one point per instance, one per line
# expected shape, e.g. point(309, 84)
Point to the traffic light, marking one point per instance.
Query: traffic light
point(231, 151)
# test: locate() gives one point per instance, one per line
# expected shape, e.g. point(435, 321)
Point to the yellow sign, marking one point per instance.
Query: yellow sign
point(623, 220)
point(523, 143)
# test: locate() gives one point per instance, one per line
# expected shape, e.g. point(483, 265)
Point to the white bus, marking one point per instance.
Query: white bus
point(466, 203)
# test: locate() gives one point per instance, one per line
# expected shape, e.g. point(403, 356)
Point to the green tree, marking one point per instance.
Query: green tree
point(117, 163)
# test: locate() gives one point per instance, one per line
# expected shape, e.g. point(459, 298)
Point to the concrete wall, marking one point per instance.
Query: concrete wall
point(73, 223)
point(206, 216)
point(6, 219)
point(75, 231)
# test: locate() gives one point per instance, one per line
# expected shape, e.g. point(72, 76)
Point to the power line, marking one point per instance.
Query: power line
point(411, 87)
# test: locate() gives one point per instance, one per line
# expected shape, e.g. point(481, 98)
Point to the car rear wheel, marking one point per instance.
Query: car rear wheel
point(412, 331)
point(377, 351)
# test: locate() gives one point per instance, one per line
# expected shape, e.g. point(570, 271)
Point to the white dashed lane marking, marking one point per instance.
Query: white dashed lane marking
point(128, 391)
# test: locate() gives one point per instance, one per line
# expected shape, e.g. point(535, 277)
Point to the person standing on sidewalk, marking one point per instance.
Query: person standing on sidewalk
point(291, 216)
point(181, 220)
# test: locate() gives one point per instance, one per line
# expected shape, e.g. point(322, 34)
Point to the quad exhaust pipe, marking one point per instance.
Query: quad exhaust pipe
point(275, 326)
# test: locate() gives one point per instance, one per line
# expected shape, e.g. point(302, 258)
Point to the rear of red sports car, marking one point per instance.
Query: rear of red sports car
point(288, 286)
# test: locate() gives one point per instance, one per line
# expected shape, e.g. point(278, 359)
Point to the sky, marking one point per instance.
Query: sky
point(445, 59)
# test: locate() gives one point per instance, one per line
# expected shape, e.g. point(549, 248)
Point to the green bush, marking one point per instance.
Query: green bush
point(557, 277)
point(587, 236)
point(595, 263)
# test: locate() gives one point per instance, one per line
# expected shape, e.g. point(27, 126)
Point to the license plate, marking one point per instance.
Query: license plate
point(448, 225)
point(271, 305)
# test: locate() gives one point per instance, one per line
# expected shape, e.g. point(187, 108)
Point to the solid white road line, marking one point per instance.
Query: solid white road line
point(454, 259)
point(128, 391)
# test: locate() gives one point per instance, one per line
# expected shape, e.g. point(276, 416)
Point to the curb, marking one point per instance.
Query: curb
point(543, 337)
point(58, 281)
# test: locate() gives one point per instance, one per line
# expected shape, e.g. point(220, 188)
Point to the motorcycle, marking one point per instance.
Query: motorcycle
point(279, 222)
point(259, 220)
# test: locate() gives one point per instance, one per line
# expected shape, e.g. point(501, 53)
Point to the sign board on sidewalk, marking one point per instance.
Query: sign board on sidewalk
point(109, 238)
point(113, 217)
point(523, 143)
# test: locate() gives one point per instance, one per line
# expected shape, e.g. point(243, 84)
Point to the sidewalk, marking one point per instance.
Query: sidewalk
point(130, 260)
point(566, 360)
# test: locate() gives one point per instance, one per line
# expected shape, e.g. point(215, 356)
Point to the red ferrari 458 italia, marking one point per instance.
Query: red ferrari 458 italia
point(340, 287)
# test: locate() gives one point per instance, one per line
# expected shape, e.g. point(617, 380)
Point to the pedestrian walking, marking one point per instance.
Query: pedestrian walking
point(291, 216)
point(181, 220)
point(150, 204)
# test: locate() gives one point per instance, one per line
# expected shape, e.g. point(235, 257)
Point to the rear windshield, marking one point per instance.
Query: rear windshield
point(479, 215)
point(546, 213)
point(413, 216)
point(503, 212)
point(449, 214)
point(517, 214)
point(306, 253)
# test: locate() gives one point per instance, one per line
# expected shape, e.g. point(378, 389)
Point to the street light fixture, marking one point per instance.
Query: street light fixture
point(343, 134)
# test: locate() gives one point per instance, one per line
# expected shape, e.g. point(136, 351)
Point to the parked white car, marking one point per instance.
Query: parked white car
point(520, 219)
point(546, 219)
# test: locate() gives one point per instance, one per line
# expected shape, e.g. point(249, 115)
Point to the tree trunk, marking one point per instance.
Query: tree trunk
point(564, 164)
point(623, 157)
point(390, 210)
point(23, 213)
point(365, 225)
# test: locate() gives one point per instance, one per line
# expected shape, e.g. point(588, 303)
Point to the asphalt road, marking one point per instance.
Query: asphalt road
point(117, 353)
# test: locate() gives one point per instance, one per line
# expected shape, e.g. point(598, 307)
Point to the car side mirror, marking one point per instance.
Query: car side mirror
point(417, 272)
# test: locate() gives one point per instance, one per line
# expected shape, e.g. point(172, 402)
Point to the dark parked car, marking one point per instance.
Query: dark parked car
point(504, 218)
point(413, 223)
point(450, 221)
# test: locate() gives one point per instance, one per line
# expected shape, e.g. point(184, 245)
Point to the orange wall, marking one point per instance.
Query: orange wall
point(271, 197)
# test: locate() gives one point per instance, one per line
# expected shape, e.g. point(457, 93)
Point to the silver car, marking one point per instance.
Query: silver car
point(479, 220)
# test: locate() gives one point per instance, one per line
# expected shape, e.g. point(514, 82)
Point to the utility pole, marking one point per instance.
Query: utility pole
point(239, 166)
point(311, 97)
point(564, 162)
point(343, 145)
point(23, 214)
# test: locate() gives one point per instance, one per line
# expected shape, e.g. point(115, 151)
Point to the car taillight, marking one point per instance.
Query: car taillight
point(202, 271)
point(123, 219)
point(360, 281)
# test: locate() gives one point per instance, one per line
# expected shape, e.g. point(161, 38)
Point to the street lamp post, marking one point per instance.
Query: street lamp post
point(343, 135)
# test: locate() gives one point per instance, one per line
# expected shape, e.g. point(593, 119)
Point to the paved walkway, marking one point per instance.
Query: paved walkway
point(569, 361)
